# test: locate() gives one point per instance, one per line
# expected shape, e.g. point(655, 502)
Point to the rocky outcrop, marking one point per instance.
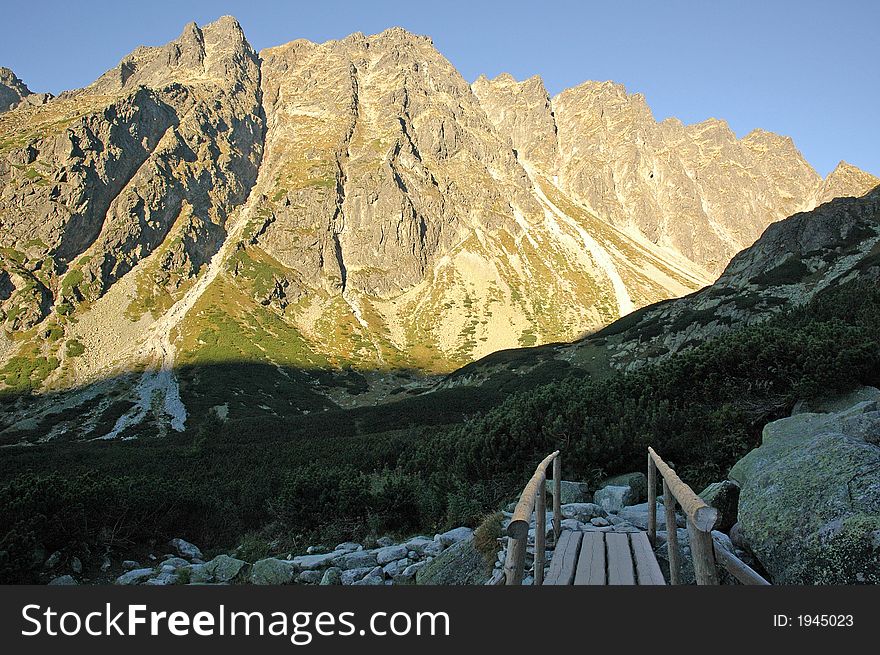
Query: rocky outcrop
point(697, 189)
point(461, 564)
point(12, 90)
point(809, 507)
point(160, 150)
point(845, 181)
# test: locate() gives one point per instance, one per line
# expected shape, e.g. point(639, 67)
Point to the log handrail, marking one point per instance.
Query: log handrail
point(703, 516)
point(701, 520)
point(518, 529)
point(737, 568)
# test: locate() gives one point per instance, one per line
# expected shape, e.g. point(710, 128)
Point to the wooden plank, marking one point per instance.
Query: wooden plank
point(620, 563)
point(647, 568)
point(591, 562)
point(564, 559)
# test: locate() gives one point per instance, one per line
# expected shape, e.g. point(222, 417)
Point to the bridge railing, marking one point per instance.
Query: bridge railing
point(532, 501)
point(701, 519)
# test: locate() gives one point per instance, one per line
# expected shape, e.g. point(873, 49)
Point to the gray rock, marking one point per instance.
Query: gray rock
point(460, 564)
point(76, 565)
point(737, 537)
point(411, 570)
point(582, 511)
point(809, 504)
point(433, 549)
point(723, 496)
point(273, 571)
point(130, 565)
point(391, 554)
point(614, 498)
point(224, 568)
point(370, 581)
point(384, 542)
point(348, 547)
point(356, 560)
point(599, 522)
point(310, 577)
point(637, 482)
point(637, 515)
point(351, 576)
point(176, 562)
point(316, 550)
point(53, 560)
point(312, 562)
point(572, 524)
point(838, 403)
point(331, 577)
point(63, 580)
point(198, 574)
point(134, 577)
point(186, 549)
point(570, 492)
point(454, 536)
point(418, 544)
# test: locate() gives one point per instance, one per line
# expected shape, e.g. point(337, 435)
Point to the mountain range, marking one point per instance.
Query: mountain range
point(357, 218)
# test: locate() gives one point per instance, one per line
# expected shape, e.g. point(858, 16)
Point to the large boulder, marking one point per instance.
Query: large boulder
point(391, 554)
point(224, 568)
point(637, 515)
point(331, 577)
point(357, 559)
point(637, 482)
point(723, 496)
point(809, 504)
point(314, 562)
point(837, 403)
point(614, 498)
point(454, 536)
point(571, 492)
point(273, 571)
point(134, 577)
point(582, 511)
point(186, 549)
point(460, 564)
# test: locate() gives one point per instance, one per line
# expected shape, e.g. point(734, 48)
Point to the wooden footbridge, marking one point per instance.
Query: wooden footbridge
point(617, 558)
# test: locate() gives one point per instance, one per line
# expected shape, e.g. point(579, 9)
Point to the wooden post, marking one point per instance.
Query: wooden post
point(671, 535)
point(557, 498)
point(703, 516)
point(652, 501)
point(540, 533)
point(516, 558)
point(703, 554)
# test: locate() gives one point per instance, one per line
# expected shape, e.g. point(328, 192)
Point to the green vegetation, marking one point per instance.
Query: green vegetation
point(75, 348)
point(26, 371)
point(791, 271)
point(424, 462)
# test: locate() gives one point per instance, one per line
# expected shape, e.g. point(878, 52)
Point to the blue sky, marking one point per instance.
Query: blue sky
point(807, 69)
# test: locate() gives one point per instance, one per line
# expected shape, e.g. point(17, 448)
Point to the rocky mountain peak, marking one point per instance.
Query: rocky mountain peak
point(12, 89)
point(846, 180)
point(219, 50)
